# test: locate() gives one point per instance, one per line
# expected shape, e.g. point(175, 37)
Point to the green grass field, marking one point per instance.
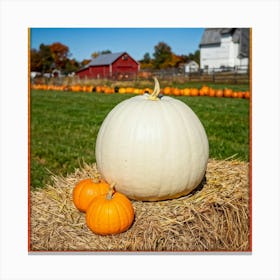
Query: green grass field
point(64, 126)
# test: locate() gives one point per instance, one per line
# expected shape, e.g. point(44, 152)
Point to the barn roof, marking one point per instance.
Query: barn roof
point(105, 59)
point(192, 62)
point(212, 36)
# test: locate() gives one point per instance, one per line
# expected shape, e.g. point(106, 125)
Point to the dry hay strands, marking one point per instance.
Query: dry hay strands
point(215, 217)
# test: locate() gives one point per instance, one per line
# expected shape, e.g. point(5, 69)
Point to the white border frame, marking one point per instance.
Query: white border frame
point(17, 16)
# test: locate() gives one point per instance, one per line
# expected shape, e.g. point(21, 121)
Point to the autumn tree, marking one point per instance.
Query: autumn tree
point(35, 61)
point(41, 60)
point(95, 54)
point(85, 62)
point(50, 57)
point(60, 54)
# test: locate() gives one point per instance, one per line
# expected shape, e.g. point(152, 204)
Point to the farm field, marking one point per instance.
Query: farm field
point(64, 126)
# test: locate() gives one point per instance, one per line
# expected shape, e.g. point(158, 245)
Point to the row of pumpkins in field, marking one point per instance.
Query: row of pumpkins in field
point(203, 91)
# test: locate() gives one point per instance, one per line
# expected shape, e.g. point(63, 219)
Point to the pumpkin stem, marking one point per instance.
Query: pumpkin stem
point(156, 92)
point(111, 191)
point(95, 180)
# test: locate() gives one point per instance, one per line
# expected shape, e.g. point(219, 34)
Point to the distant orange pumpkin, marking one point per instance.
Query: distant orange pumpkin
point(167, 90)
point(186, 91)
point(228, 92)
point(194, 92)
point(176, 91)
point(247, 94)
point(219, 93)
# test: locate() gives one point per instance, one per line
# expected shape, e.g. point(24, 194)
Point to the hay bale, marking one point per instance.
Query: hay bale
point(214, 217)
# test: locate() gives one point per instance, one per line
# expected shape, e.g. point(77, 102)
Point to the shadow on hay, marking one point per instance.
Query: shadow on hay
point(200, 186)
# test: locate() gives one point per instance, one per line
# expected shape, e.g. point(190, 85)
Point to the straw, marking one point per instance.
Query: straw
point(214, 217)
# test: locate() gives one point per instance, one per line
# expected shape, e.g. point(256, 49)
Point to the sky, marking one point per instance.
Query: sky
point(82, 42)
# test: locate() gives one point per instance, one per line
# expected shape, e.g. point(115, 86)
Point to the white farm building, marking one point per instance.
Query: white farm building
point(191, 66)
point(224, 48)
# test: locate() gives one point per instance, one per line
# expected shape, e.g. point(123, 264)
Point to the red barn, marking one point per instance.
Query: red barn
point(113, 65)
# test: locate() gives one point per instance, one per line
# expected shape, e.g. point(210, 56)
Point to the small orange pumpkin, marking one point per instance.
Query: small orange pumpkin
point(108, 90)
point(122, 90)
point(194, 92)
point(219, 93)
point(247, 94)
point(110, 214)
point(176, 91)
point(240, 94)
point(228, 92)
point(129, 90)
point(86, 190)
point(212, 92)
point(234, 94)
point(204, 90)
point(167, 90)
point(186, 91)
point(137, 91)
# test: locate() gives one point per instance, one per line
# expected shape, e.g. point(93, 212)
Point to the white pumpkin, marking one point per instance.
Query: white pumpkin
point(152, 148)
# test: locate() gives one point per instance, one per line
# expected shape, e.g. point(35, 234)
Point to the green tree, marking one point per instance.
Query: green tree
point(162, 54)
point(194, 56)
point(146, 58)
point(71, 65)
point(47, 60)
point(106, 52)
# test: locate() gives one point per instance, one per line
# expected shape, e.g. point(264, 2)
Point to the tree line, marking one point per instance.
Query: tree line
point(57, 56)
point(163, 57)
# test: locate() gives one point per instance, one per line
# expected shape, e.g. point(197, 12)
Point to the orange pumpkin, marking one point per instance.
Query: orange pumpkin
point(129, 90)
point(167, 90)
point(211, 92)
point(240, 94)
point(122, 90)
point(137, 91)
point(219, 93)
point(186, 91)
point(228, 92)
point(194, 92)
point(176, 91)
point(86, 190)
point(201, 92)
point(204, 90)
point(247, 94)
point(99, 89)
point(89, 89)
point(109, 90)
point(110, 214)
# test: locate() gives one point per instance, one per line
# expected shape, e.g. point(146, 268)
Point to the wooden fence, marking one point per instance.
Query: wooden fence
point(231, 76)
point(220, 77)
point(172, 74)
